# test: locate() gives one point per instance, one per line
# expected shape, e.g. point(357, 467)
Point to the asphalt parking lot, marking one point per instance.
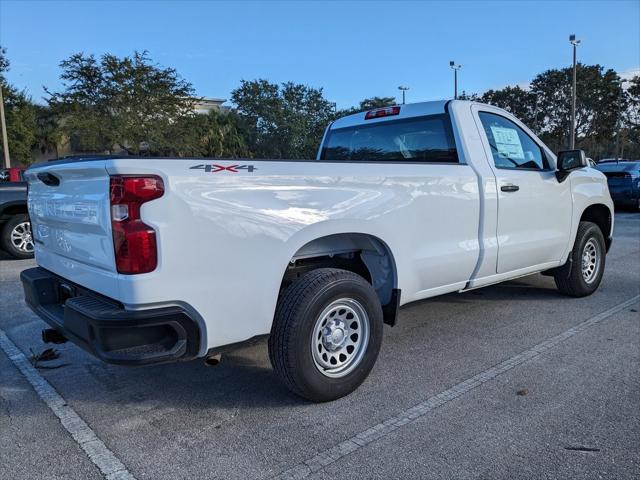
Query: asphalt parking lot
point(511, 381)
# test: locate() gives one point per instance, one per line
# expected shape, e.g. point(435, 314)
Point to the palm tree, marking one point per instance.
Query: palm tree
point(48, 133)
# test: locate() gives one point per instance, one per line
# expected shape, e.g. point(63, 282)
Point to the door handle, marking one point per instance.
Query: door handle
point(509, 187)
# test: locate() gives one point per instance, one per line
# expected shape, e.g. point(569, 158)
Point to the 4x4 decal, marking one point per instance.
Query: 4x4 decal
point(215, 168)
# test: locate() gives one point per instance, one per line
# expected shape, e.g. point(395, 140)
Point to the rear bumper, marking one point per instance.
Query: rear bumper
point(104, 328)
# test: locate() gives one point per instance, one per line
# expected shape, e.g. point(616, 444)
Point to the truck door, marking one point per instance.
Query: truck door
point(534, 208)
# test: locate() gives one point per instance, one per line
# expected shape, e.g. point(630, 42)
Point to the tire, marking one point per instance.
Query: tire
point(16, 237)
point(582, 275)
point(313, 330)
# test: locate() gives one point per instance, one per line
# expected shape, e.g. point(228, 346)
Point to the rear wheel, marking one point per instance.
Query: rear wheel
point(326, 334)
point(582, 275)
point(16, 237)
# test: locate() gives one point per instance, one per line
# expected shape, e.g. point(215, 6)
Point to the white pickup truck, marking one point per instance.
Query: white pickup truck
point(154, 260)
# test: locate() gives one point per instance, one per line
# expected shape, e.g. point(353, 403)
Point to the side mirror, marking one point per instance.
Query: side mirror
point(569, 160)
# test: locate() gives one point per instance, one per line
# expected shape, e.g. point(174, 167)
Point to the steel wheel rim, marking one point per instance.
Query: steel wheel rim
point(590, 261)
point(21, 237)
point(340, 337)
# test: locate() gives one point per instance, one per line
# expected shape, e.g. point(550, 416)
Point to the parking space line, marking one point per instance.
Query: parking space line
point(96, 450)
point(358, 441)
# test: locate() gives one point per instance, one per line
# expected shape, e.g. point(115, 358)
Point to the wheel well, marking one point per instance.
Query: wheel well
point(11, 210)
point(601, 216)
point(360, 253)
point(14, 210)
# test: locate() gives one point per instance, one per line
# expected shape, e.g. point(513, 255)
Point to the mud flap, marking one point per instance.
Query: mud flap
point(390, 310)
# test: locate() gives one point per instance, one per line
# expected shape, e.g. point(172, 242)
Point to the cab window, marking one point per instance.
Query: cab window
point(419, 139)
point(511, 147)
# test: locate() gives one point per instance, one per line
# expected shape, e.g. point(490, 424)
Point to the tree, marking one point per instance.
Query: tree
point(472, 97)
point(546, 107)
point(48, 134)
point(217, 134)
point(282, 121)
point(376, 102)
point(19, 116)
point(629, 145)
point(633, 94)
point(519, 102)
point(599, 106)
point(367, 104)
point(119, 102)
point(4, 62)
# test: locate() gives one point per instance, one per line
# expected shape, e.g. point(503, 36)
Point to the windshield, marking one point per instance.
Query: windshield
point(420, 139)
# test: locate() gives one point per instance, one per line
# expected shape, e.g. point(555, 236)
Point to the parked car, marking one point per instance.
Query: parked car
point(174, 259)
point(623, 177)
point(15, 229)
point(12, 174)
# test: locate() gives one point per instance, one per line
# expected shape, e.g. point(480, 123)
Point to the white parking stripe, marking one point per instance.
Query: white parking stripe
point(380, 430)
point(96, 450)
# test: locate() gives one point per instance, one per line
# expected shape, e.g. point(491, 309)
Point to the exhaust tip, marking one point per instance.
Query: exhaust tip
point(213, 360)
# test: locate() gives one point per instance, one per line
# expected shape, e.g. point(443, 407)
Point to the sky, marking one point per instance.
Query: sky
point(353, 50)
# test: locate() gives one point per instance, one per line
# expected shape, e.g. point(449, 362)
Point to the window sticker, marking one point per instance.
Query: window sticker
point(507, 142)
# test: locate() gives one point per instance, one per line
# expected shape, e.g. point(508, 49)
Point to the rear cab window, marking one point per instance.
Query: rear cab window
point(426, 139)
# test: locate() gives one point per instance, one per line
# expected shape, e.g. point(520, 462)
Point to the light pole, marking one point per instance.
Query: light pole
point(404, 89)
point(572, 136)
point(455, 69)
point(5, 143)
point(619, 123)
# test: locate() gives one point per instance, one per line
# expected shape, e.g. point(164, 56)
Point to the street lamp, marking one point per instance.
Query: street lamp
point(404, 89)
point(572, 137)
point(455, 69)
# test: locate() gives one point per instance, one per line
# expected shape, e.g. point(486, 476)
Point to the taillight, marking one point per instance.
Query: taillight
point(134, 241)
point(382, 112)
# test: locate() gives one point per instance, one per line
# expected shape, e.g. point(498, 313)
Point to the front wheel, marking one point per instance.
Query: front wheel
point(326, 334)
point(582, 275)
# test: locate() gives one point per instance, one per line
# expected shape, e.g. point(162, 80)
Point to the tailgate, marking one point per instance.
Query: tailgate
point(71, 223)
